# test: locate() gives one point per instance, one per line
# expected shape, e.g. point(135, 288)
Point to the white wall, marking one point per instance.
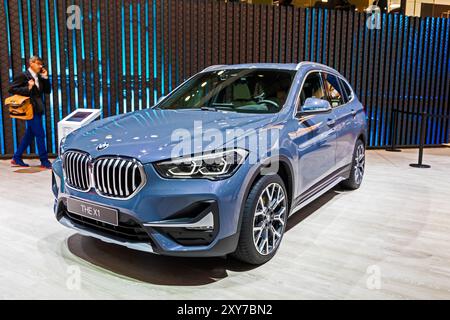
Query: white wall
point(413, 6)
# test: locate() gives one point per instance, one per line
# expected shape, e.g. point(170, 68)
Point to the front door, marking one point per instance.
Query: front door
point(315, 137)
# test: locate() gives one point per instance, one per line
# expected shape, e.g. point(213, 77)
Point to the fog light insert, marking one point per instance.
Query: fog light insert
point(195, 225)
point(204, 224)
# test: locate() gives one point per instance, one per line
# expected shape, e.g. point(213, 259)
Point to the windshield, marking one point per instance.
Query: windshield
point(242, 90)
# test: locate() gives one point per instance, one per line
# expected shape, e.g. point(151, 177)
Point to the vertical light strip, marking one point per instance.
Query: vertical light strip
point(116, 57)
point(306, 34)
point(418, 76)
point(446, 57)
point(2, 128)
point(58, 58)
point(83, 58)
point(91, 57)
point(383, 37)
point(2, 136)
point(312, 42)
point(30, 39)
point(40, 51)
point(50, 72)
point(139, 52)
point(325, 16)
point(30, 28)
point(22, 34)
point(372, 121)
point(432, 90)
point(169, 63)
point(22, 42)
point(428, 89)
point(319, 23)
point(132, 84)
point(184, 46)
point(177, 49)
point(147, 55)
point(66, 66)
point(155, 59)
point(124, 59)
point(162, 48)
point(100, 60)
point(10, 70)
point(363, 63)
point(426, 107)
point(75, 68)
point(108, 60)
point(440, 122)
point(424, 69)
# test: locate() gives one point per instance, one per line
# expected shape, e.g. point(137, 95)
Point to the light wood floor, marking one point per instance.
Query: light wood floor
point(388, 240)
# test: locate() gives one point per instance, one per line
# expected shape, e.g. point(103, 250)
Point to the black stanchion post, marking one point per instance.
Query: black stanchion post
point(394, 120)
point(423, 134)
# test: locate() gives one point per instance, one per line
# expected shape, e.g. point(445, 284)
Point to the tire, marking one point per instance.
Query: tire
point(358, 167)
point(268, 219)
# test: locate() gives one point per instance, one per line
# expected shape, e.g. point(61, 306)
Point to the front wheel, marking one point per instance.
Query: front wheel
point(264, 221)
point(358, 167)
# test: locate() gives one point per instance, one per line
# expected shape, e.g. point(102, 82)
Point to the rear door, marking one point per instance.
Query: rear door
point(342, 109)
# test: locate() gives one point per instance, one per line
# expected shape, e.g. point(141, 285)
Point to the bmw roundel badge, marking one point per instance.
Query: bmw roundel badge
point(102, 146)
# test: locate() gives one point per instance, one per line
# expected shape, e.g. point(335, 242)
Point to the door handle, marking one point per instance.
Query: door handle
point(331, 122)
point(353, 112)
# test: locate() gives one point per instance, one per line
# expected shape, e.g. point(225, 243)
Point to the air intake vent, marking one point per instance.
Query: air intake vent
point(117, 178)
point(76, 167)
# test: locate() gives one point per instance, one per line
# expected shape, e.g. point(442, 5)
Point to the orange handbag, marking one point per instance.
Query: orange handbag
point(20, 107)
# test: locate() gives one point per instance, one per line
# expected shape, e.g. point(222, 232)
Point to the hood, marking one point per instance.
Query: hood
point(151, 135)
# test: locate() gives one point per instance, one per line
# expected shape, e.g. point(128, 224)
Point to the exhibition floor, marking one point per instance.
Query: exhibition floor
point(389, 239)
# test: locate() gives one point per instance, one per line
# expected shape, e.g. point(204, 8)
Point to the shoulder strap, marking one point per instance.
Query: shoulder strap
point(28, 75)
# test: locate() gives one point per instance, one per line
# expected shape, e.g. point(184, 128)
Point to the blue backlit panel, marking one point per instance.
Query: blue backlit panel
point(128, 53)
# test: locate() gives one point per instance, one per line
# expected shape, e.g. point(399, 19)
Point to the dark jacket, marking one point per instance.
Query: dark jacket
point(20, 86)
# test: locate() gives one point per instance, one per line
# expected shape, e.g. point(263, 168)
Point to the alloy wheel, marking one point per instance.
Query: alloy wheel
point(269, 219)
point(360, 163)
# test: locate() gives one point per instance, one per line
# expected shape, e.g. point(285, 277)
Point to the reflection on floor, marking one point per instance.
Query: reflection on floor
point(390, 239)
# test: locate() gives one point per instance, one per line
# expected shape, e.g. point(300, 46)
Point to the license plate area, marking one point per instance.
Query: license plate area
point(93, 211)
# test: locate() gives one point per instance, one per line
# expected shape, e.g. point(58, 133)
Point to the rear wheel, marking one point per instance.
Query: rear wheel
point(264, 221)
point(358, 167)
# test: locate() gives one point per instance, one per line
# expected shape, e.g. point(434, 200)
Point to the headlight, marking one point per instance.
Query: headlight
point(213, 165)
point(61, 145)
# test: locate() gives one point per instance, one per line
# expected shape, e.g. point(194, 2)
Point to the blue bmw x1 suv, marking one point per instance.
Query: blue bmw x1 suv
point(218, 165)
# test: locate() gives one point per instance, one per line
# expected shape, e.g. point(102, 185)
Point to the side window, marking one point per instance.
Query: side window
point(335, 93)
point(347, 91)
point(312, 87)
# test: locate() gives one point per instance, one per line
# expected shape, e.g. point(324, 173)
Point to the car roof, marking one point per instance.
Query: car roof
point(278, 66)
point(307, 65)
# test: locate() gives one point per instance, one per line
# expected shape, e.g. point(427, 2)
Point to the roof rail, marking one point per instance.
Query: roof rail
point(299, 65)
point(213, 67)
point(312, 62)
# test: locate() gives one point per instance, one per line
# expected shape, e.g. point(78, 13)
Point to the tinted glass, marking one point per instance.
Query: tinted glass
point(243, 90)
point(312, 88)
point(335, 93)
point(347, 91)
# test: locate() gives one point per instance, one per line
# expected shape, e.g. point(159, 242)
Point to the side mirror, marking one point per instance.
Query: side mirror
point(315, 105)
point(160, 99)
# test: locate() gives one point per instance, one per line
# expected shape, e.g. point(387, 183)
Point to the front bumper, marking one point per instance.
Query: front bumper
point(143, 219)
